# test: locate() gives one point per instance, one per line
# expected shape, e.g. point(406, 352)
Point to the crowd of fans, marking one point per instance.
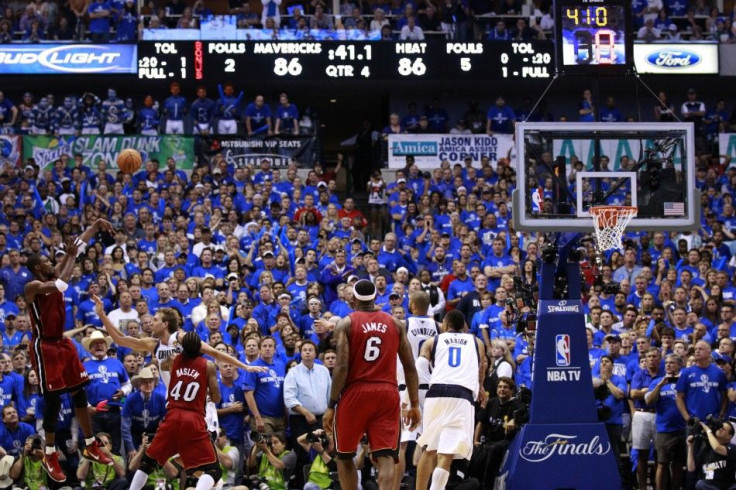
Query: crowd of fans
point(88, 114)
point(121, 21)
point(260, 261)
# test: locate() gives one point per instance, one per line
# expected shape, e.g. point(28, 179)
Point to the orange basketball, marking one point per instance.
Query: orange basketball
point(129, 160)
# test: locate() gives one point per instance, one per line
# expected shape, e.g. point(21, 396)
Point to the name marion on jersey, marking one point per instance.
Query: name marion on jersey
point(455, 341)
point(192, 373)
point(374, 327)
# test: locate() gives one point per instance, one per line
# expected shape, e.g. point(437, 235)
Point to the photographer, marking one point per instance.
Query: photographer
point(716, 461)
point(276, 462)
point(96, 475)
point(228, 456)
point(497, 426)
point(319, 472)
point(26, 470)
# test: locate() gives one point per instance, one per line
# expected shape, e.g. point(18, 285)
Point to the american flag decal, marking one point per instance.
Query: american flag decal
point(674, 209)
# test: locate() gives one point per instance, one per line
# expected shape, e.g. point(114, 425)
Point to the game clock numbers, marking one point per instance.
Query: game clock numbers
point(337, 60)
point(593, 37)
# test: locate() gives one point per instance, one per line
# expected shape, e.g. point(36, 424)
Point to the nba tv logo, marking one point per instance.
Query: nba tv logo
point(562, 351)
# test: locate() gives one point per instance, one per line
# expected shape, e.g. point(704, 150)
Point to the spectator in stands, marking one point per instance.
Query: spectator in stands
point(271, 11)
point(287, 117)
point(246, 18)
point(525, 33)
point(379, 20)
point(320, 20)
point(500, 118)
point(126, 25)
point(264, 391)
point(648, 32)
point(693, 111)
point(187, 20)
point(411, 31)
point(99, 13)
point(109, 383)
point(203, 112)
point(258, 118)
point(499, 33)
point(455, 15)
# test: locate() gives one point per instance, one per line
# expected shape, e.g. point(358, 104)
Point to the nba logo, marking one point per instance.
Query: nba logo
point(537, 198)
point(562, 343)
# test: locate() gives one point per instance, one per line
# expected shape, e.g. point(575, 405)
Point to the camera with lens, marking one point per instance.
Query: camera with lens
point(258, 482)
point(600, 286)
point(313, 438)
point(36, 443)
point(694, 427)
point(257, 437)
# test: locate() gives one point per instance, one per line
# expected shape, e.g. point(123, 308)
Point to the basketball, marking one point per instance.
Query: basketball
point(129, 160)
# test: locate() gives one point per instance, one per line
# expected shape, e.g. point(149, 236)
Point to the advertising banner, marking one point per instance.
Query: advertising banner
point(241, 151)
point(46, 149)
point(727, 146)
point(10, 150)
point(677, 59)
point(62, 59)
point(431, 149)
point(614, 149)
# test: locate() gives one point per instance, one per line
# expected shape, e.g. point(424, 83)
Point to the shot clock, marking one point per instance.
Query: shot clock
point(593, 37)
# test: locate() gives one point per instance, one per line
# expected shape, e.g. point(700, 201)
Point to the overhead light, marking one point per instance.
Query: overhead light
point(333, 101)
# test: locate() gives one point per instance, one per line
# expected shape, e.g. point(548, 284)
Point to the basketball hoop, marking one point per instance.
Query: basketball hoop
point(609, 223)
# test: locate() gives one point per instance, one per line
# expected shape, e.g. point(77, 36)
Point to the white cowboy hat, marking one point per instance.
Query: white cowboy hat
point(96, 335)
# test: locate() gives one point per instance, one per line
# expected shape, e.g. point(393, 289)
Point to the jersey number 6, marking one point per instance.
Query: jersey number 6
point(372, 349)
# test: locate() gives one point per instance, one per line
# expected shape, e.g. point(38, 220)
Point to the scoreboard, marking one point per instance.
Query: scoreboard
point(348, 60)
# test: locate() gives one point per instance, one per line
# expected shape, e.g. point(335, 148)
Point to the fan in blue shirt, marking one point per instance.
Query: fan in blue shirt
point(500, 118)
point(258, 118)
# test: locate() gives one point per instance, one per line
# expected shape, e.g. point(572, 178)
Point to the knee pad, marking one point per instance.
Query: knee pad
point(148, 464)
point(79, 399)
point(213, 470)
point(51, 412)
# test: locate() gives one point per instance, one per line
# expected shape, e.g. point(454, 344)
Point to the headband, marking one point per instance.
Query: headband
point(361, 297)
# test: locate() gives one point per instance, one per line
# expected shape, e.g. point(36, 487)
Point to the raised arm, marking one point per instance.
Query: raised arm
point(147, 344)
point(222, 357)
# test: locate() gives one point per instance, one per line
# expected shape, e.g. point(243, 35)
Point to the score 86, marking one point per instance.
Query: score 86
point(283, 67)
point(407, 67)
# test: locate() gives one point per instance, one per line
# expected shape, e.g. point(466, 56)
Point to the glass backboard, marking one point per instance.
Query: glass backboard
point(565, 168)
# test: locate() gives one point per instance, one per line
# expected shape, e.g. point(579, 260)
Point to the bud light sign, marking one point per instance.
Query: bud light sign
point(61, 59)
point(694, 59)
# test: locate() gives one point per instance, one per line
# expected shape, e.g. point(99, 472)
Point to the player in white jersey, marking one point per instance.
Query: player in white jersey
point(457, 375)
point(419, 329)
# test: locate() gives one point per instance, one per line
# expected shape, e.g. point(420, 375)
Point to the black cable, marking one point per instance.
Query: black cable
point(549, 85)
point(662, 104)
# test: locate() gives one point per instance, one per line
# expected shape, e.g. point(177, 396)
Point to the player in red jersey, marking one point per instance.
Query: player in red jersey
point(183, 430)
point(364, 388)
point(53, 356)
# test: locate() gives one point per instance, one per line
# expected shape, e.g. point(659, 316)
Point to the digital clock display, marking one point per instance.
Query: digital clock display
point(332, 60)
point(594, 36)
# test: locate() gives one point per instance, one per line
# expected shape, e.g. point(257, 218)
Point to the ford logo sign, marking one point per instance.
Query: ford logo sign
point(673, 58)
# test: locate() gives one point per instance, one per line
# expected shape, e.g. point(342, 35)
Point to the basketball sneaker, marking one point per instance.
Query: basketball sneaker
point(51, 466)
point(92, 452)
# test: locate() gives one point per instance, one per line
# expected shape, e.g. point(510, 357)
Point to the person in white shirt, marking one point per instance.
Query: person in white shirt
point(411, 31)
point(121, 316)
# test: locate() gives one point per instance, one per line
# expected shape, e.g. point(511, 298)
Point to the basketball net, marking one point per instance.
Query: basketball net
point(609, 223)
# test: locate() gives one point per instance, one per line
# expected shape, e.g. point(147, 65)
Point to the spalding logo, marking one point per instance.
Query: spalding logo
point(669, 58)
